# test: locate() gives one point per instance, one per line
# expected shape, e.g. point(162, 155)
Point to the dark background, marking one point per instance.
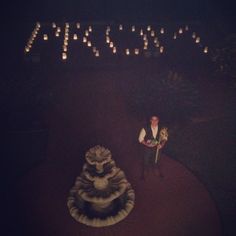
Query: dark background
point(20, 83)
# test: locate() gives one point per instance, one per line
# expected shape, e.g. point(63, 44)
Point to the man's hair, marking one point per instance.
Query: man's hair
point(155, 116)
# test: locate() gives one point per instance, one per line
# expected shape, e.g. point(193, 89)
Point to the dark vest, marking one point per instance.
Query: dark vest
point(149, 134)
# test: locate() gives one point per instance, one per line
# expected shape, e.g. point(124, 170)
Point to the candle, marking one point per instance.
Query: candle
point(155, 40)
point(145, 47)
point(197, 40)
point(64, 56)
point(161, 49)
point(120, 27)
point(149, 28)
point(84, 39)
point(205, 50)
point(108, 39)
point(90, 28)
point(57, 34)
point(75, 37)
point(193, 35)
point(162, 31)
point(86, 33)
point(58, 29)
point(89, 44)
point(94, 49)
point(146, 42)
point(78, 25)
point(133, 28)
point(97, 54)
point(45, 37)
point(141, 32)
point(114, 50)
point(54, 25)
point(175, 36)
point(127, 51)
point(186, 28)
point(136, 51)
point(152, 33)
point(180, 30)
point(27, 49)
point(111, 44)
point(64, 48)
point(67, 25)
point(157, 44)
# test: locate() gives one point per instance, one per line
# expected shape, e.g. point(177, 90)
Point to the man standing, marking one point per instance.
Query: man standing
point(153, 138)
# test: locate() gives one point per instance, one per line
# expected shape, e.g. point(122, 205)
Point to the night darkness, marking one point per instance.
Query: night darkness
point(53, 110)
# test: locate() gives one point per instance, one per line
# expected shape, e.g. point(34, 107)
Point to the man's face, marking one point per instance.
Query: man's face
point(154, 121)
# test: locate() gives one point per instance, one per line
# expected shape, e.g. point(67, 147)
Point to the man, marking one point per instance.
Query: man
point(153, 139)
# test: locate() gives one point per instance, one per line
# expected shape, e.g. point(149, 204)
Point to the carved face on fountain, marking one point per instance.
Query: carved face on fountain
point(98, 156)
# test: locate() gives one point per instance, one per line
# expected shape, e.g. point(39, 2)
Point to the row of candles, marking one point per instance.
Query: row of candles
point(85, 38)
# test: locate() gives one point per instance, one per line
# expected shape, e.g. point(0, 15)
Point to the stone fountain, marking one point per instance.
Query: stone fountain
point(101, 196)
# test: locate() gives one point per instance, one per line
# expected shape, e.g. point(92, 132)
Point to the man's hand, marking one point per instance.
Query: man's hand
point(148, 144)
point(159, 146)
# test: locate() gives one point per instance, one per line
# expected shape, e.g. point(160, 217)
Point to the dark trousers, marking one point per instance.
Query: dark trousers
point(149, 157)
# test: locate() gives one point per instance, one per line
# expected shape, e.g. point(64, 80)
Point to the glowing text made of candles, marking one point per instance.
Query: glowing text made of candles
point(149, 36)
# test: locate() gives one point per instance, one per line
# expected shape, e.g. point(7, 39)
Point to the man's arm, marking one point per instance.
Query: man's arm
point(142, 135)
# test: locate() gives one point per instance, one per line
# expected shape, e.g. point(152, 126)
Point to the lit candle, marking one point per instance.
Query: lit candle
point(67, 25)
point(197, 40)
point(152, 33)
point(64, 48)
point(145, 47)
point(27, 49)
point(94, 49)
point(144, 37)
point(161, 49)
point(186, 28)
point(141, 32)
point(175, 36)
point(64, 56)
point(97, 54)
point(155, 40)
point(54, 25)
point(65, 42)
point(120, 27)
point(89, 44)
point(78, 25)
point(157, 44)
point(45, 37)
point(84, 39)
point(75, 37)
point(162, 31)
point(146, 43)
point(57, 34)
point(108, 39)
point(133, 28)
point(111, 44)
point(136, 51)
point(205, 49)
point(90, 28)
point(86, 33)
point(127, 51)
point(193, 35)
point(180, 30)
point(114, 50)
point(58, 29)
point(149, 28)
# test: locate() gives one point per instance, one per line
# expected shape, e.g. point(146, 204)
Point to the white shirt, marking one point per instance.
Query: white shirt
point(142, 133)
